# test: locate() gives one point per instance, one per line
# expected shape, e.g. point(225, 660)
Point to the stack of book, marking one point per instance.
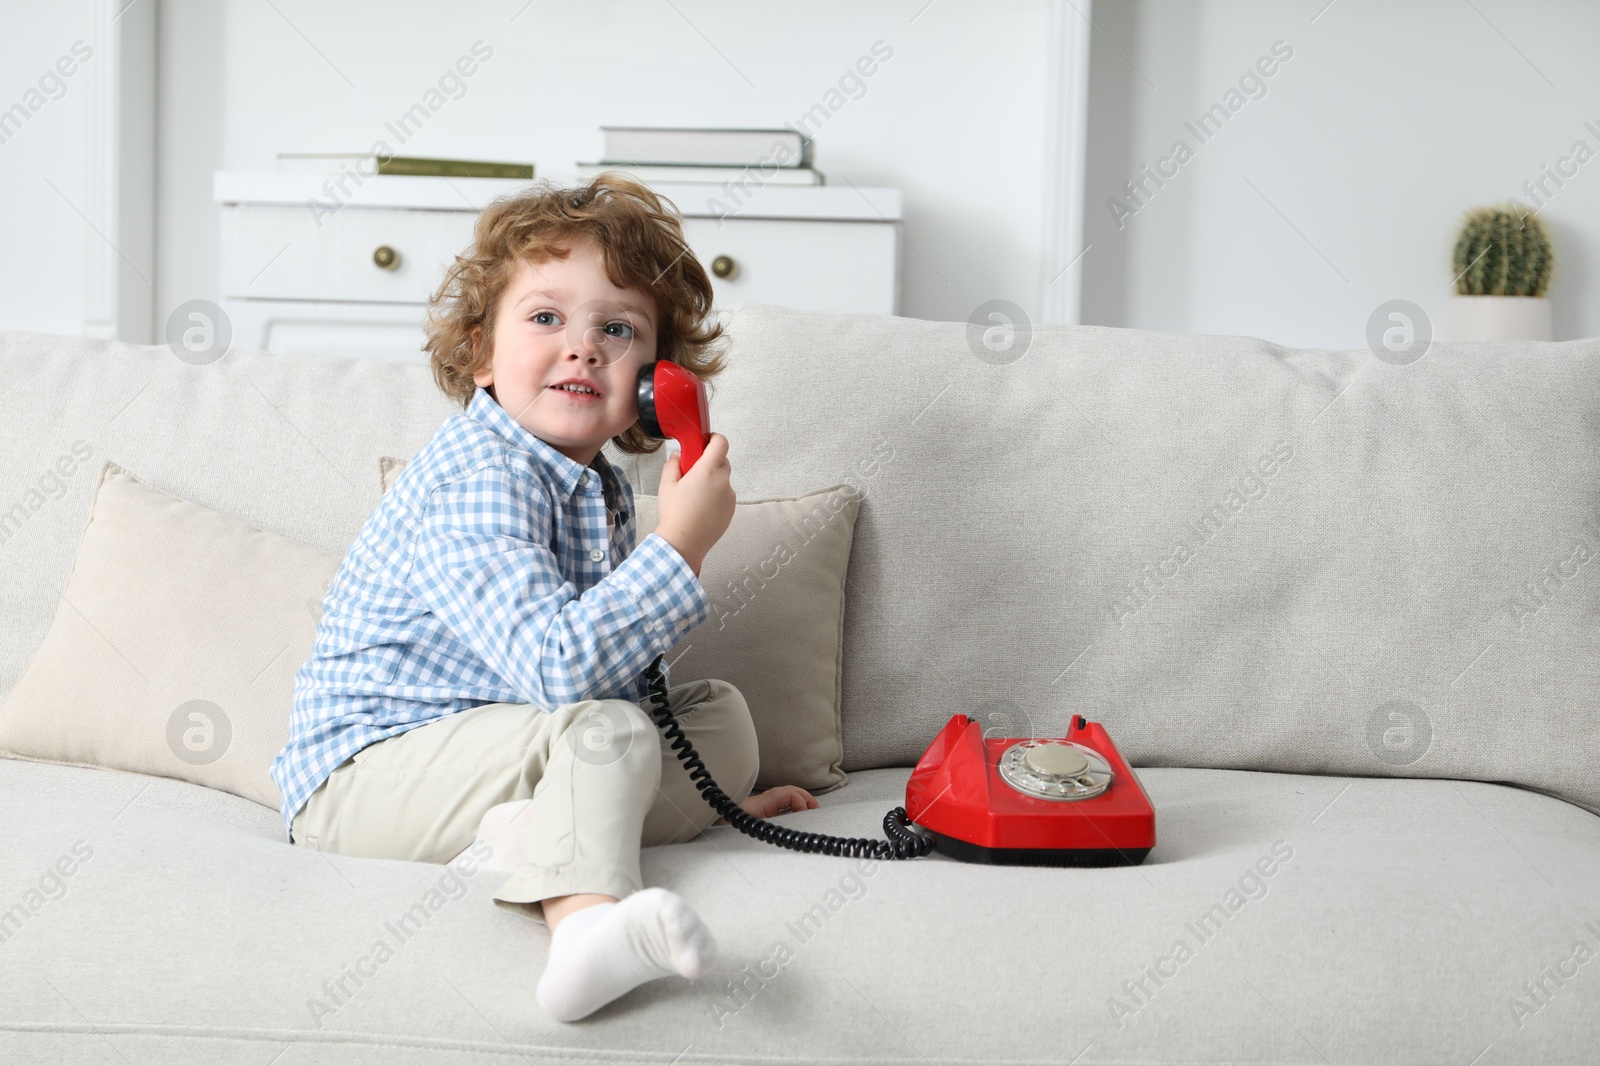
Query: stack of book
point(368, 164)
point(665, 154)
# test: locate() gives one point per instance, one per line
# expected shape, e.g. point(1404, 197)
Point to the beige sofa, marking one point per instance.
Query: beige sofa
point(1337, 609)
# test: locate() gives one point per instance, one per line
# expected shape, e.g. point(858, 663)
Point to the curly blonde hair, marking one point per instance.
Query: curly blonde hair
point(641, 244)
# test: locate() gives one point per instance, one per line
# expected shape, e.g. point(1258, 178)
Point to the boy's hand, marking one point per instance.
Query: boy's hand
point(695, 509)
point(776, 801)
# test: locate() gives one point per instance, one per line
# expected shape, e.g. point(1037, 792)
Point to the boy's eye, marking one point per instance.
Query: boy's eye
point(547, 318)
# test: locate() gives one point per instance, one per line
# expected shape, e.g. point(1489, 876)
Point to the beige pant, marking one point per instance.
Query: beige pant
point(601, 775)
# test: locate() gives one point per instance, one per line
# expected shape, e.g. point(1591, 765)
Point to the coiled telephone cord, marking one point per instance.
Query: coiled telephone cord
point(904, 842)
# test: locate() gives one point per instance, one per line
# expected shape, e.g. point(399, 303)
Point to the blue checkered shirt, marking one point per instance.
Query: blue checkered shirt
point(487, 574)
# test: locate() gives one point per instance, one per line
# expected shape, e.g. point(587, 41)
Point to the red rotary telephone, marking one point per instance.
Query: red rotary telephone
point(1035, 802)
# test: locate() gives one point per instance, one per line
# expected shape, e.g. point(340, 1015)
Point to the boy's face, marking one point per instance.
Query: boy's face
point(560, 320)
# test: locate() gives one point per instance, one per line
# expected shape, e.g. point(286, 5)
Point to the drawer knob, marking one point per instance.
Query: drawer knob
point(723, 266)
point(386, 257)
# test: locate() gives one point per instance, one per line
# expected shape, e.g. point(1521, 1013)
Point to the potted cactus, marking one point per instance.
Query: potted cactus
point(1502, 263)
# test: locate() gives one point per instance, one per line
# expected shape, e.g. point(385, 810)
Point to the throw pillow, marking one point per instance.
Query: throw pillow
point(174, 646)
point(776, 631)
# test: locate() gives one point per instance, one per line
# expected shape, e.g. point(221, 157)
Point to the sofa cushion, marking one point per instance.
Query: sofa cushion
point(1382, 563)
point(777, 583)
point(1280, 918)
point(285, 444)
point(174, 647)
point(776, 631)
point(1231, 553)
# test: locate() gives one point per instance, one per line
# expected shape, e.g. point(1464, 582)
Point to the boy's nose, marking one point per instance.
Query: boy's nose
point(586, 344)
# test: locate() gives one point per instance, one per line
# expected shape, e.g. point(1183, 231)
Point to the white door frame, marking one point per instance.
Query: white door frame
point(119, 171)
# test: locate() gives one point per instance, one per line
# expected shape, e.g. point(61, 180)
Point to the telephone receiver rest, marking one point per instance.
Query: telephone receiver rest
point(673, 403)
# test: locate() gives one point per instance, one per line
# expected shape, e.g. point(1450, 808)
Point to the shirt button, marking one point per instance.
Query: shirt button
point(597, 554)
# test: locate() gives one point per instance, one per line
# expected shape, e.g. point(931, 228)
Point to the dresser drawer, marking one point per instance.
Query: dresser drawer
point(280, 253)
point(808, 265)
point(326, 327)
point(295, 284)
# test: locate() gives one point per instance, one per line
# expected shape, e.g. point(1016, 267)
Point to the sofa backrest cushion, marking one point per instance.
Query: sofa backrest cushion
point(289, 445)
point(1230, 553)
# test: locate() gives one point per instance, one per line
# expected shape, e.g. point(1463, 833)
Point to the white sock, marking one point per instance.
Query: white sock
point(602, 951)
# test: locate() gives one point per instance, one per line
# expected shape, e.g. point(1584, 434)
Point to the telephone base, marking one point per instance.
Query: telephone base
point(964, 852)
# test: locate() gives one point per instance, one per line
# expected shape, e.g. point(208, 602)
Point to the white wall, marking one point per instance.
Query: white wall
point(1343, 186)
point(1388, 122)
point(77, 168)
point(956, 118)
point(42, 266)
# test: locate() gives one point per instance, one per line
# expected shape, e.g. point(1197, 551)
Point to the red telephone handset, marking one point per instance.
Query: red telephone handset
point(672, 403)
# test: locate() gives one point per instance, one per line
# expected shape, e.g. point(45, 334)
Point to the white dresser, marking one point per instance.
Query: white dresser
point(355, 279)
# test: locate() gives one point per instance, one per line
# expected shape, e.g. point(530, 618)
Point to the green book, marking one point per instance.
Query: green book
point(452, 168)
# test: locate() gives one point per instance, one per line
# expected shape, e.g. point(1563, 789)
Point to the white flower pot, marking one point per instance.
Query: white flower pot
point(1499, 318)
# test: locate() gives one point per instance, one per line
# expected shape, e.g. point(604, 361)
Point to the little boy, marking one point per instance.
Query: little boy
point(479, 666)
